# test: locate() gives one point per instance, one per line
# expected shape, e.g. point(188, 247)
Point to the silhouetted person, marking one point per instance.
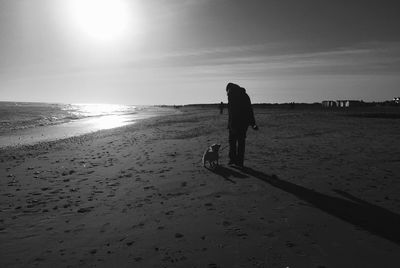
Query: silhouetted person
point(241, 116)
point(221, 108)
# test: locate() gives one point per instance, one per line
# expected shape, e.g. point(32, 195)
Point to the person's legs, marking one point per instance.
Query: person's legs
point(241, 139)
point(232, 146)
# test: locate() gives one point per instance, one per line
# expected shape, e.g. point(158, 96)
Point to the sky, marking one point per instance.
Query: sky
point(186, 51)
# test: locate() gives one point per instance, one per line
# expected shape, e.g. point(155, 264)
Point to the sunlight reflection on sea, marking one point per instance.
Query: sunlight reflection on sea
point(36, 122)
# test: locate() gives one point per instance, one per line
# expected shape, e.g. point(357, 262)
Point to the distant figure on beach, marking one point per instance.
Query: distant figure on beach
point(240, 117)
point(221, 108)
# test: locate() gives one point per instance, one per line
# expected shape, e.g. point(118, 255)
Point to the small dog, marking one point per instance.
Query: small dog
point(211, 155)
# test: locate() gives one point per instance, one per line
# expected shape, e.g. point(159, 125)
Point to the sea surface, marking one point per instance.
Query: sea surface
point(28, 123)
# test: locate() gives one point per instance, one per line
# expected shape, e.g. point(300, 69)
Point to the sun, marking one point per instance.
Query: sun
point(102, 20)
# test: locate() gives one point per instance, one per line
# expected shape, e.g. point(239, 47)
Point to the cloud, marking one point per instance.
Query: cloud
point(256, 60)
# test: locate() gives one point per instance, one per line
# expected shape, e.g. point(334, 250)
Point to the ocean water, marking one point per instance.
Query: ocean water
point(27, 123)
point(23, 115)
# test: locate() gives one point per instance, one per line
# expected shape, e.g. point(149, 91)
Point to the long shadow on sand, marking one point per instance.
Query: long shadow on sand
point(227, 172)
point(372, 218)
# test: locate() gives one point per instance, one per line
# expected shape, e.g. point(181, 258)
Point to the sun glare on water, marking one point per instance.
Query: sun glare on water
point(103, 116)
point(103, 20)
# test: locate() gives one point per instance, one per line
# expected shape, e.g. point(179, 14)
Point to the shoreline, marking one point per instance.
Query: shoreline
point(320, 190)
point(78, 127)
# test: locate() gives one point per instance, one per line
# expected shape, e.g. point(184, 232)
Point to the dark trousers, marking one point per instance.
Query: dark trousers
point(237, 143)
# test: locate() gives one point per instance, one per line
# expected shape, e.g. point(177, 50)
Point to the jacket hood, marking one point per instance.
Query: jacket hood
point(233, 89)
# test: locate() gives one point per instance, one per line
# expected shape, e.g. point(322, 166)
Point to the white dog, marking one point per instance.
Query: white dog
point(211, 155)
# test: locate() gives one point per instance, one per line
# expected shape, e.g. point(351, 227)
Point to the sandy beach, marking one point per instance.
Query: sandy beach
point(320, 189)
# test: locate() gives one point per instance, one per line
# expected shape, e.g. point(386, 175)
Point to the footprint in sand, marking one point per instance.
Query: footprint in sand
point(178, 235)
point(290, 244)
point(270, 235)
point(226, 223)
point(85, 209)
point(130, 243)
point(169, 213)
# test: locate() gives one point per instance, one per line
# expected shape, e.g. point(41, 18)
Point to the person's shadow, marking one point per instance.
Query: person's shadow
point(367, 216)
point(227, 172)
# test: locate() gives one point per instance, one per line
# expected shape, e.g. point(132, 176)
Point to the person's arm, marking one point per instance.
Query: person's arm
point(229, 114)
point(251, 114)
point(252, 121)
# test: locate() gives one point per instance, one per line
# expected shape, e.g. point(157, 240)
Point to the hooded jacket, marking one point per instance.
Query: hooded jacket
point(240, 111)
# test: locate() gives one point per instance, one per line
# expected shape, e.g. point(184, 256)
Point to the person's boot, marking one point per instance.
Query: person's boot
point(240, 164)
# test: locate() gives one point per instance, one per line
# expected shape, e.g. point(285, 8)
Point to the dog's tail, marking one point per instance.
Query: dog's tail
point(202, 158)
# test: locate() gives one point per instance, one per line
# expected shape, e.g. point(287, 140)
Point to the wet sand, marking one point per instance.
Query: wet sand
point(320, 190)
point(45, 133)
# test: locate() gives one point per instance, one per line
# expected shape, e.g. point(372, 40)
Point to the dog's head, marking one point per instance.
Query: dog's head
point(215, 147)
